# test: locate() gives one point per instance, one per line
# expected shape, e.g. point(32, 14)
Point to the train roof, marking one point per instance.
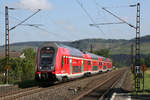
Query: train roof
point(72, 51)
point(94, 56)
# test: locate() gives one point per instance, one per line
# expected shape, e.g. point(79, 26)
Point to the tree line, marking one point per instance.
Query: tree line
point(122, 60)
point(24, 68)
point(20, 68)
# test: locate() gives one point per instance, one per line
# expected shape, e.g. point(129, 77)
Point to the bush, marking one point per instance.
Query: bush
point(20, 69)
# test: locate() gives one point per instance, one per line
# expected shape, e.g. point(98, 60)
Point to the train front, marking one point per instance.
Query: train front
point(45, 61)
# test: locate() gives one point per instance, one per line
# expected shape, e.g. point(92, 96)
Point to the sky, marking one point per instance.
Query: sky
point(66, 20)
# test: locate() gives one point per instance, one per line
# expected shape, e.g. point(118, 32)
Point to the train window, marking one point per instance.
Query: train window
point(100, 63)
point(67, 60)
point(62, 62)
point(104, 67)
point(46, 55)
point(84, 62)
point(76, 69)
point(94, 68)
point(89, 62)
point(104, 59)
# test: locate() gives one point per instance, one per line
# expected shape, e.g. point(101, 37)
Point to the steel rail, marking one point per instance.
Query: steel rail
point(92, 89)
point(109, 89)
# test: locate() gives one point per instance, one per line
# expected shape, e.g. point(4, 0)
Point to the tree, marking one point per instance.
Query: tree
point(103, 52)
point(20, 68)
point(2, 69)
point(29, 54)
point(142, 61)
point(28, 64)
point(16, 68)
point(147, 61)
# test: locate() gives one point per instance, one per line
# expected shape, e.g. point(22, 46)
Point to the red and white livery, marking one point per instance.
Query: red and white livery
point(58, 62)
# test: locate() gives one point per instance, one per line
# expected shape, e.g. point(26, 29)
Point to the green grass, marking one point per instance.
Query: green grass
point(147, 81)
point(146, 84)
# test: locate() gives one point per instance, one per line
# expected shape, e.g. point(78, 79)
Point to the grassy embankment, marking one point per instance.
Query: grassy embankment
point(146, 83)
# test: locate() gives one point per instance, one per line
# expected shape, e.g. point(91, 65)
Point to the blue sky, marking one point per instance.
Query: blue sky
point(65, 20)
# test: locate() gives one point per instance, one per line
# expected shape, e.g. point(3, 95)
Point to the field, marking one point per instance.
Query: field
point(147, 81)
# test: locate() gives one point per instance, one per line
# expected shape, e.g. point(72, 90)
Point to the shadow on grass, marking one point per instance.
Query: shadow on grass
point(33, 83)
point(27, 84)
point(148, 91)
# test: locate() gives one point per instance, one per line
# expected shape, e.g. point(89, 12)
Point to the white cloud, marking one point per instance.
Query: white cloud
point(35, 4)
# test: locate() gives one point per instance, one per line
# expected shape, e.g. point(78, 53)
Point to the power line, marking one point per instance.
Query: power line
point(99, 6)
point(119, 18)
point(61, 27)
point(106, 23)
point(32, 25)
point(101, 14)
point(42, 29)
point(121, 6)
point(90, 17)
point(81, 5)
point(24, 20)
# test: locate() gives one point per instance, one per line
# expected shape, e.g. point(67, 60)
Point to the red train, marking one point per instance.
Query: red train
point(58, 62)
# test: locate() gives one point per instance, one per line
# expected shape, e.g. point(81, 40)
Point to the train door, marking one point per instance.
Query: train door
point(100, 66)
point(65, 64)
point(85, 64)
point(104, 66)
point(89, 65)
point(70, 68)
point(82, 65)
point(94, 66)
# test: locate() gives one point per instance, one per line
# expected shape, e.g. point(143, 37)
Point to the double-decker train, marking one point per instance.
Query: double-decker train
point(58, 62)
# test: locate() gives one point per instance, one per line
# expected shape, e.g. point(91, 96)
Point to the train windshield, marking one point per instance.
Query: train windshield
point(46, 57)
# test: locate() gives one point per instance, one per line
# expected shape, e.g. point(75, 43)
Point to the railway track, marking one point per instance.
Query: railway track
point(100, 91)
point(60, 89)
point(18, 93)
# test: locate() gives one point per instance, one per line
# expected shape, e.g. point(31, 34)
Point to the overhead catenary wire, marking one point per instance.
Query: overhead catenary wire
point(106, 23)
point(102, 16)
point(61, 27)
point(24, 20)
point(100, 7)
point(119, 18)
point(35, 25)
point(42, 29)
point(90, 17)
point(16, 18)
point(122, 20)
point(81, 5)
point(121, 6)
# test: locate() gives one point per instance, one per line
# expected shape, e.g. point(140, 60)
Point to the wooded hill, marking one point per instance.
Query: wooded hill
point(116, 46)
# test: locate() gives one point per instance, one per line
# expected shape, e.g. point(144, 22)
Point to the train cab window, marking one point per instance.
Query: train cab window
point(46, 55)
